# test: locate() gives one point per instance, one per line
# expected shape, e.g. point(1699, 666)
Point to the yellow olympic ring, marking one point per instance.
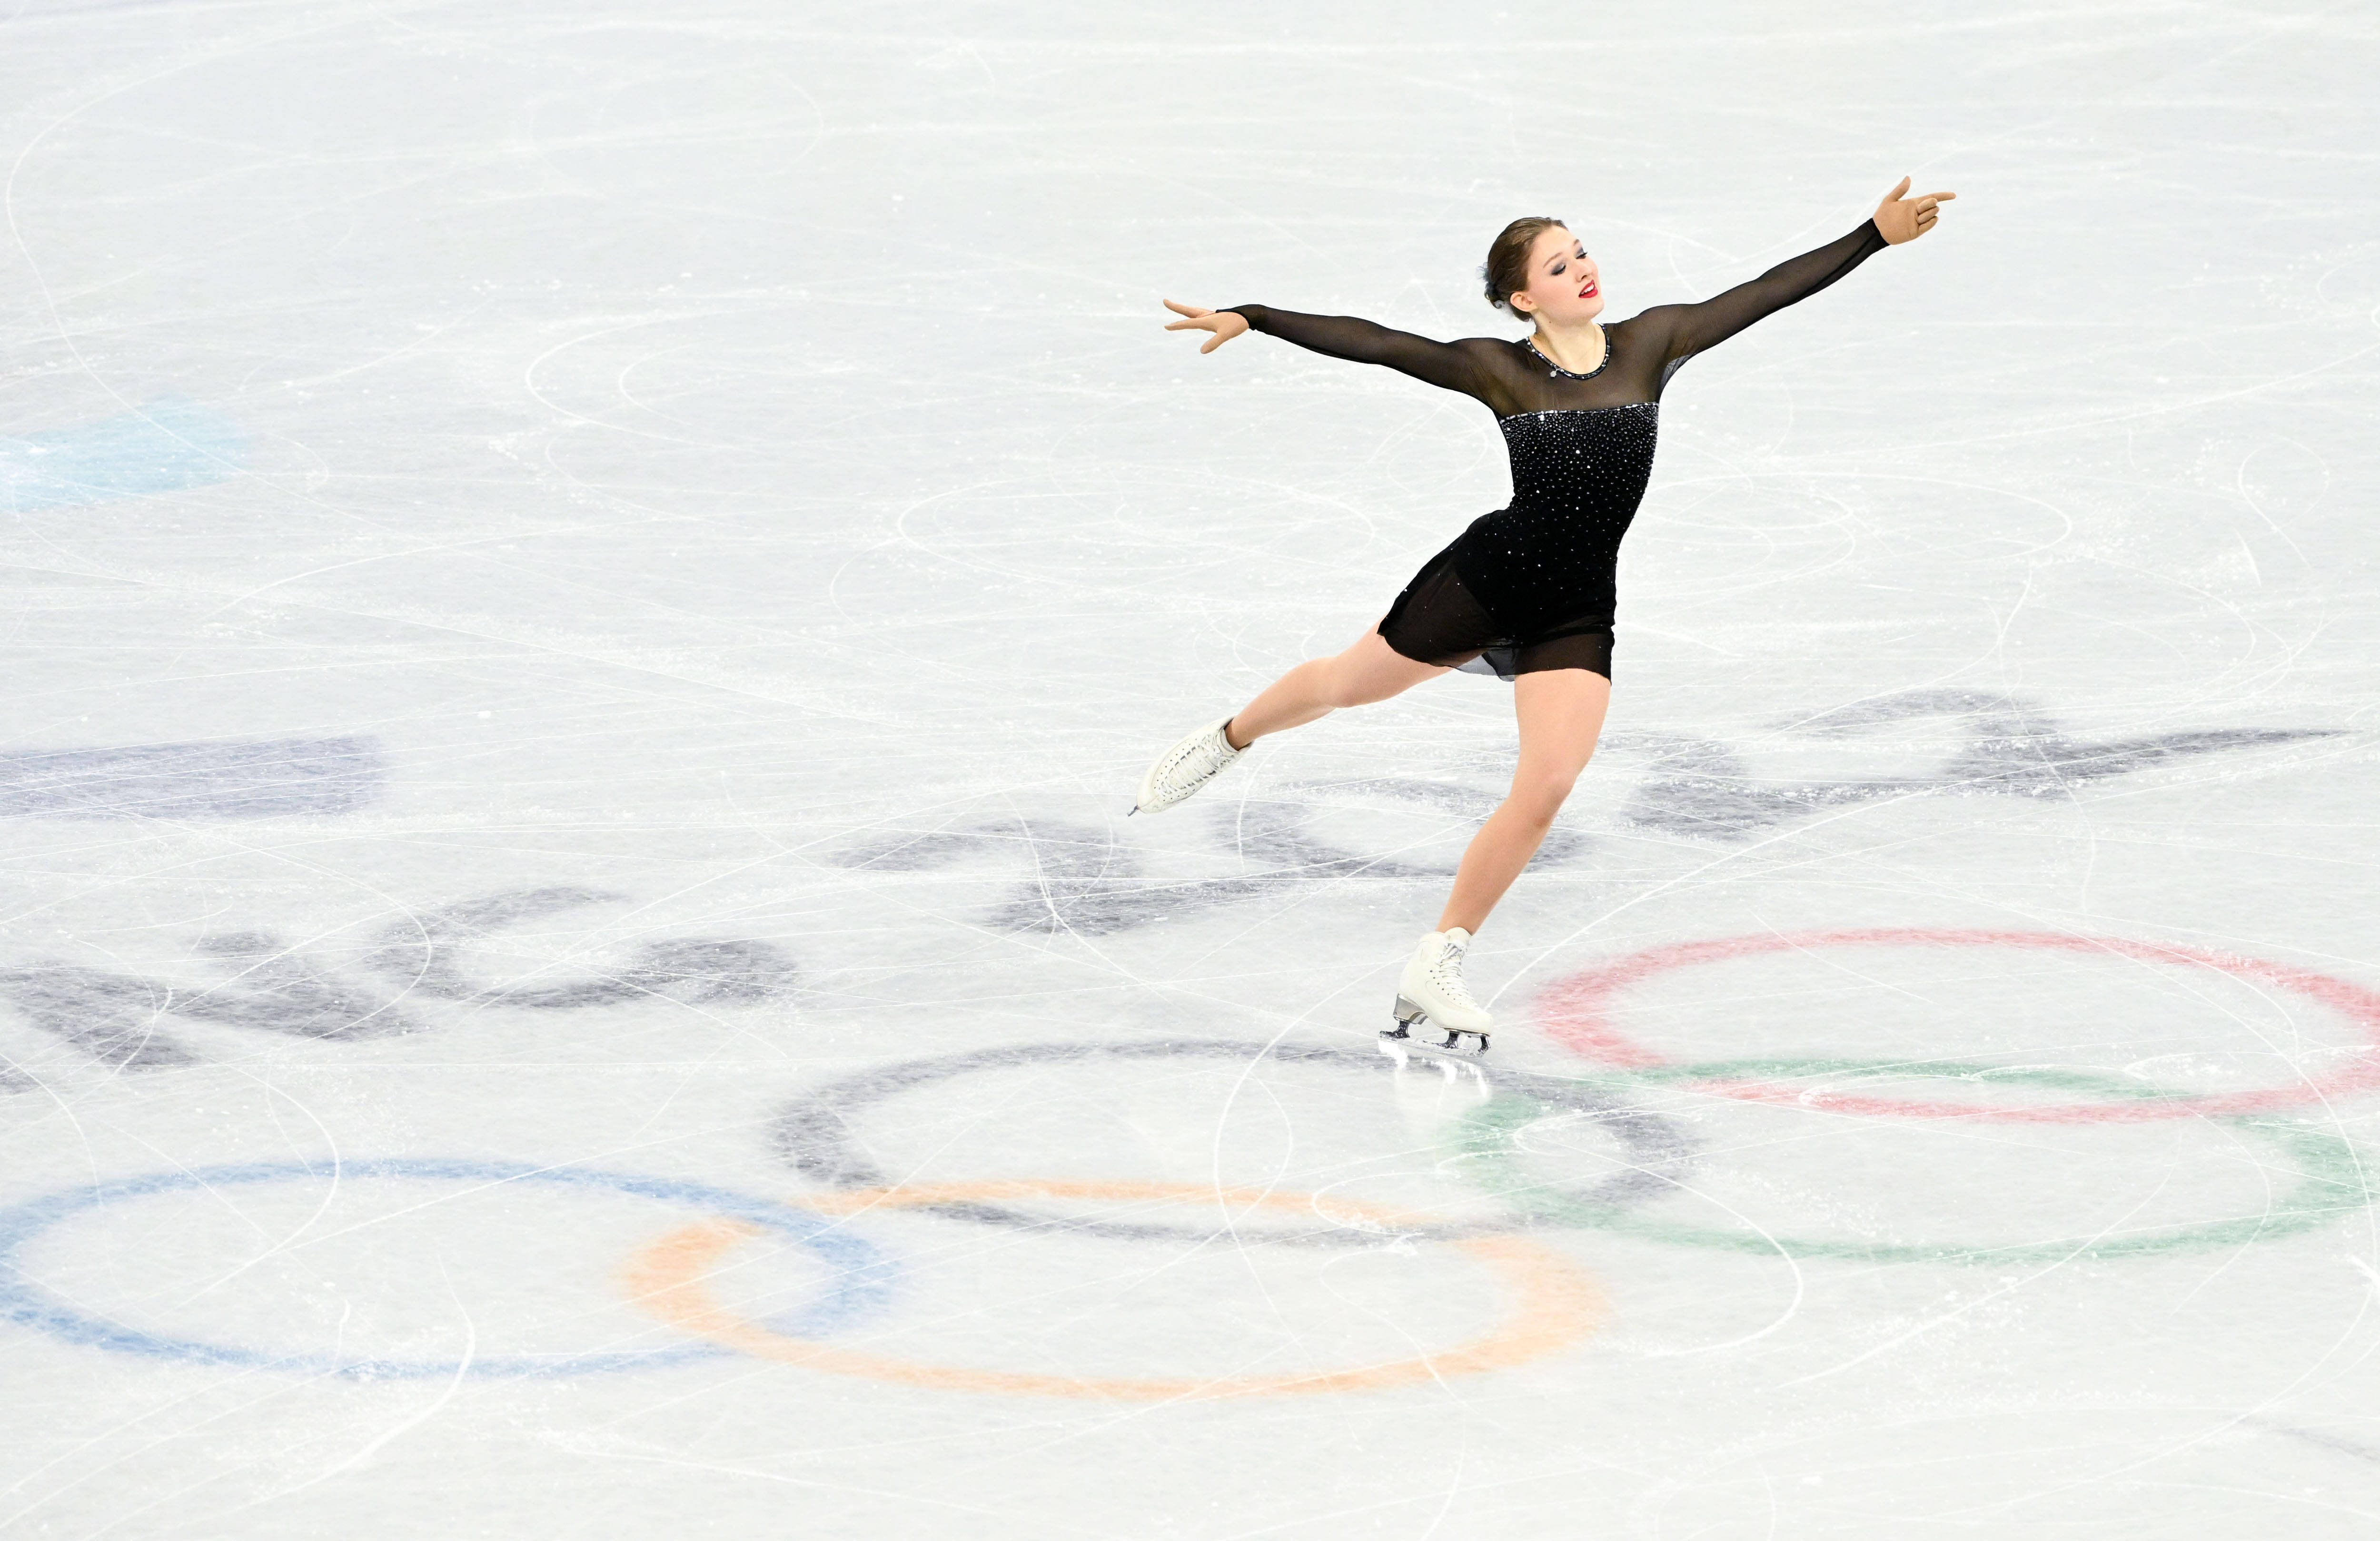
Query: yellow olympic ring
point(1553, 1305)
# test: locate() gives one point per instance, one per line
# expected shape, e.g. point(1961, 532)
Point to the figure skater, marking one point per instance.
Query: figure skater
point(1527, 592)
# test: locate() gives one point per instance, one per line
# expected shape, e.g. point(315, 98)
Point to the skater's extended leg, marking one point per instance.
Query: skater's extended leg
point(1370, 671)
point(1562, 713)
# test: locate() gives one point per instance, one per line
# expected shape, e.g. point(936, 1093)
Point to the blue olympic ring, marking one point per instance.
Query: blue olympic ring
point(862, 1276)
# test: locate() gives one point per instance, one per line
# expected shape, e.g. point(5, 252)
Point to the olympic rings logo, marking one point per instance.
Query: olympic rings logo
point(1549, 1304)
point(1578, 1012)
point(2330, 1182)
point(860, 1277)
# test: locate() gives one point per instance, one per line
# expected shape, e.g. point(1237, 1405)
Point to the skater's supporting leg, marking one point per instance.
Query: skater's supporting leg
point(1561, 712)
point(1370, 671)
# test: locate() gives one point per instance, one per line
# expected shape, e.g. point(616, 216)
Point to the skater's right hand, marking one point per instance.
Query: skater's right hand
point(1224, 324)
point(1901, 218)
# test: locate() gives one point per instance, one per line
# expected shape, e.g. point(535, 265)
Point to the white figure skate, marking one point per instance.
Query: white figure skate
point(1186, 767)
point(1432, 992)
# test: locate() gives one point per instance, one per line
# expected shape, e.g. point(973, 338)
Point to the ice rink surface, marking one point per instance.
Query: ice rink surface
point(588, 586)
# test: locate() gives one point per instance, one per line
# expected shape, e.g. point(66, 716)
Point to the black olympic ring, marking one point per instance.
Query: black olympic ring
point(817, 1134)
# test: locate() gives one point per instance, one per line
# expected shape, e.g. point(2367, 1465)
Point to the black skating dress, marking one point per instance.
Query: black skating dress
point(1530, 587)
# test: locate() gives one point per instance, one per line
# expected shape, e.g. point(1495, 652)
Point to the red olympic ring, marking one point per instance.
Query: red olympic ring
point(1577, 1013)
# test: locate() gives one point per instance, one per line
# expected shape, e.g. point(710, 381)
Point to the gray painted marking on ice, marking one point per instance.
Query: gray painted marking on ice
point(240, 779)
point(162, 448)
point(1701, 787)
point(278, 990)
point(115, 1017)
point(2359, 1450)
point(1088, 880)
point(1085, 880)
point(111, 1017)
point(425, 954)
point(818, 1134)
point(1278, 829)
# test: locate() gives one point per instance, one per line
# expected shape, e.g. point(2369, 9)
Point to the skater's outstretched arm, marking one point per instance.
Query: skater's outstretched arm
point(1689, 328)
point(1462, 366)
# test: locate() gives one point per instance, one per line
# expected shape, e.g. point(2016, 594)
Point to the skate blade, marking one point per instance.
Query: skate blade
point(1415, 1037)
point(1409, 1054)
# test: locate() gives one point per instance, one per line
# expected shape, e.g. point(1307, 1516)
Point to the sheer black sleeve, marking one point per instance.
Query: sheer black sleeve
point(1692, 328)
point(1451, 366)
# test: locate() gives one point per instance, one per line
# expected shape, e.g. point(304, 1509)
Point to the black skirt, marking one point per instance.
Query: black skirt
point(1438, 620)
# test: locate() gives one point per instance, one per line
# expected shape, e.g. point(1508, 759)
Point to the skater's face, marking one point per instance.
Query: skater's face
point(1564, 287)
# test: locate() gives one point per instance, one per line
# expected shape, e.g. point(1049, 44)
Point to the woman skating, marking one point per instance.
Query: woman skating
point(1526, 591)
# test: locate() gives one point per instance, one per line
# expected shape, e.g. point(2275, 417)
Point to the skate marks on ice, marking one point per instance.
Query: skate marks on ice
point(822, 1135)
point(270, 778)
point(164, 447)
point(427, 954)
point(855, 1280)
point(1547, 1302)
point(1702, 786)
point(2219, 1170)
point(120, 1020)
point(2355, 1449)
point(1080, 878)
point(111, 1018)
point(1583, 1013)
point(1281, 831)
point(147, 1256)
point(1519, 1144)
point(2311, 1178)
point(114, 1019)
point(1089, 880)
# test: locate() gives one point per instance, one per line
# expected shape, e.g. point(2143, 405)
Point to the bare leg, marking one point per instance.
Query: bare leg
point(1562, 713)
point(1370, 671)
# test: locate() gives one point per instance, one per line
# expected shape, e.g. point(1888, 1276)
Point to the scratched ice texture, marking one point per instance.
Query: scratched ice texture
point(588, 585)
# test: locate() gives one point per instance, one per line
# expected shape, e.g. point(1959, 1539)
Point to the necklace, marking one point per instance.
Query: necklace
point(1552, 368)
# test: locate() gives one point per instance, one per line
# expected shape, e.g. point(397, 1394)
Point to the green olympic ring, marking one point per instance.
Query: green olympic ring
point(2335, 1178)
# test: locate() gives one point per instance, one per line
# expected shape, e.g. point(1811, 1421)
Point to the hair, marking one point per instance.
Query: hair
point(1507, 267)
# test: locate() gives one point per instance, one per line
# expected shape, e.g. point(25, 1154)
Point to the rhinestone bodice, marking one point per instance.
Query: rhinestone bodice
point(1577, 478)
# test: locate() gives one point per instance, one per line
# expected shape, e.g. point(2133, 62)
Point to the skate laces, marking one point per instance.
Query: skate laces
point(1194, 761)
point(1446, 973)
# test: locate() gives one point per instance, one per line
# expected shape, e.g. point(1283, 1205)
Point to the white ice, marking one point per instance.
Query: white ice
point(588, 586)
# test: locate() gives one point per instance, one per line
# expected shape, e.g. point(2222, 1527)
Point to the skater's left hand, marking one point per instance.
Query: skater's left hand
point(1905, 219)
point(1224, 324)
